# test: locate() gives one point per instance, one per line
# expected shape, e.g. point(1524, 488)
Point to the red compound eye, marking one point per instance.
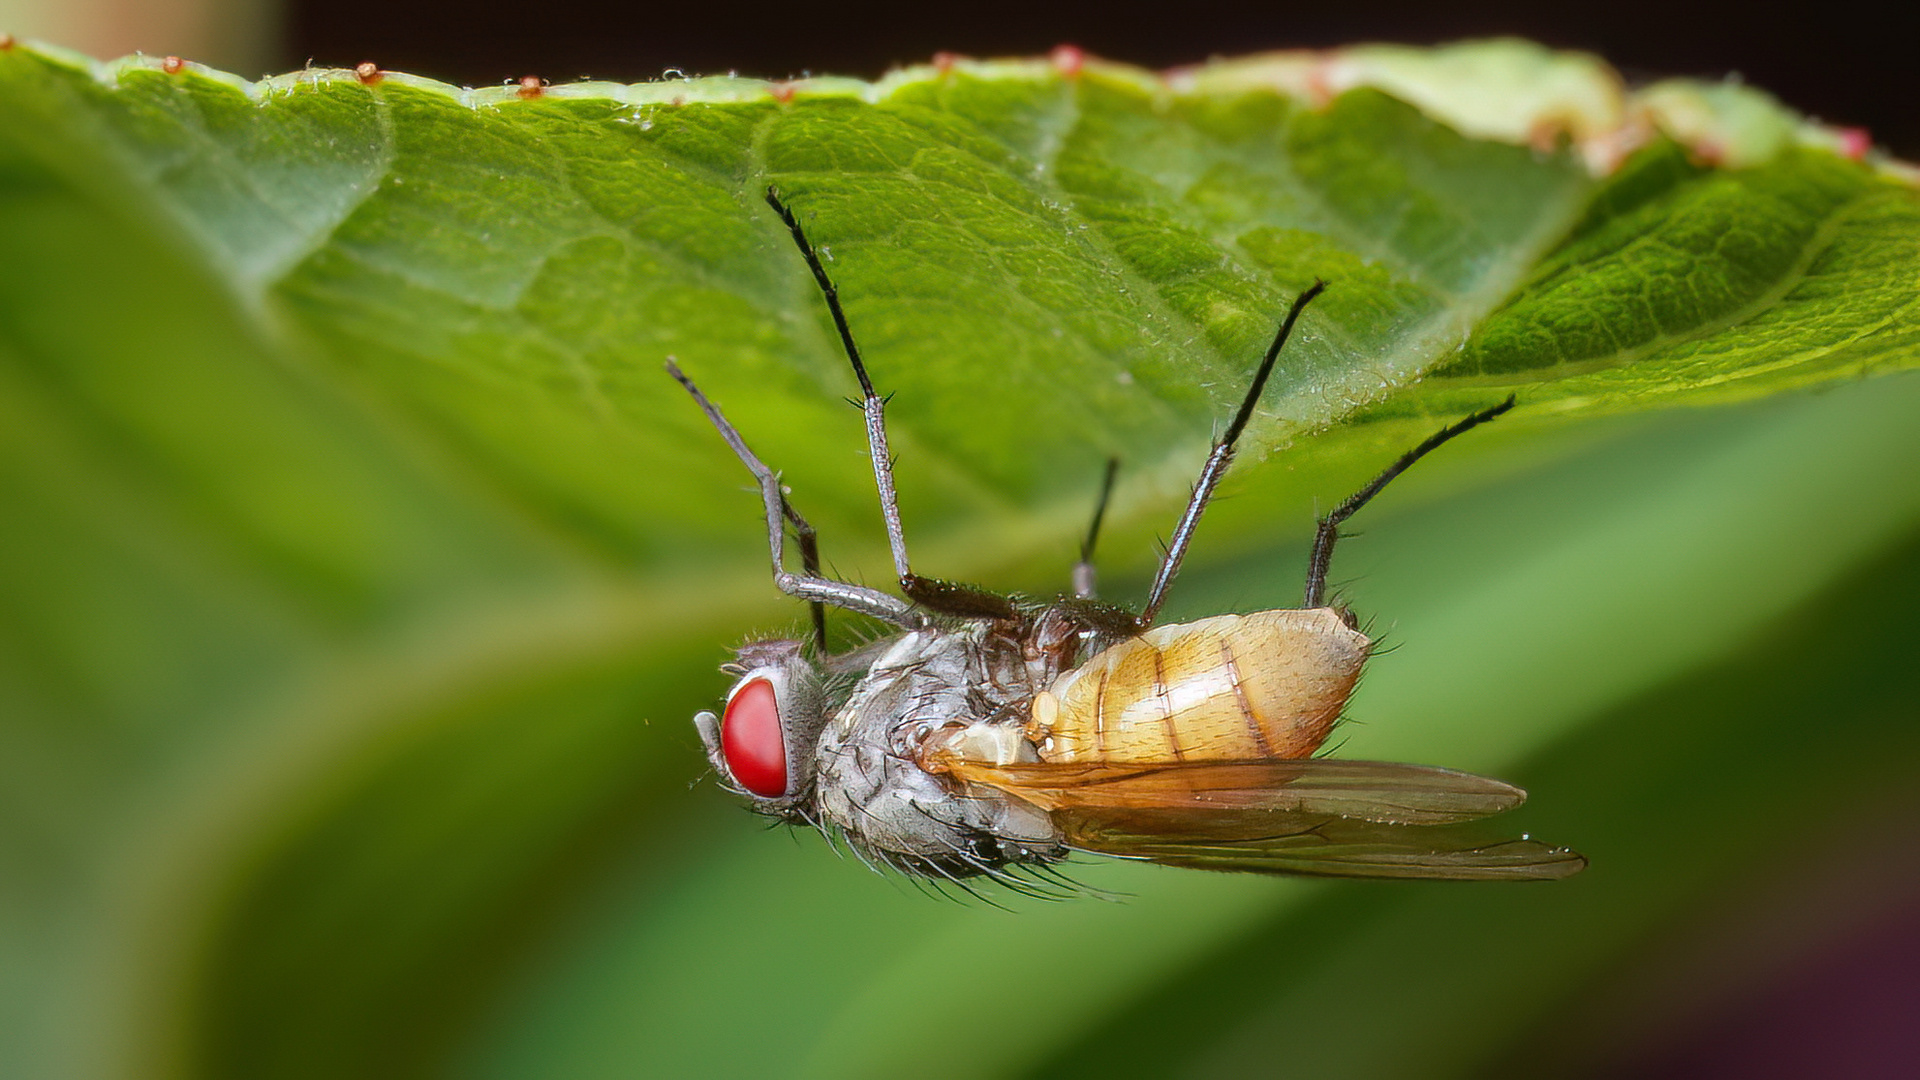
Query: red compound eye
point(752, 743)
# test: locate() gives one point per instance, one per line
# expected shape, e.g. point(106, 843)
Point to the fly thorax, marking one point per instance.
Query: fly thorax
point(871, 784)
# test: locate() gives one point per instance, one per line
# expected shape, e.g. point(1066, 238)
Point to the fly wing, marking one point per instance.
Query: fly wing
point(1329, 847)
point(1319, 816)
point(1231, 791)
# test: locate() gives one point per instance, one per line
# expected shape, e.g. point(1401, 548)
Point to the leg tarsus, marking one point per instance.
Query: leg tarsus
point(1220, 459)
point(1329, 530)
point(1084, 578)
point(871, 404)
point(812, 587)
point(809, 542)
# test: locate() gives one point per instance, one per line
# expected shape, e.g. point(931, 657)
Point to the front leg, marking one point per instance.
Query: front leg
point(809, 586)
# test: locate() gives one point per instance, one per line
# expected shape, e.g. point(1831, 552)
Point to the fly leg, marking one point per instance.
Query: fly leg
point(809, 586)
point(947, 597)
point(1080, 624)
point(1329, 530)
point(1083, 572)
point(810, 562)
point(1219, 460)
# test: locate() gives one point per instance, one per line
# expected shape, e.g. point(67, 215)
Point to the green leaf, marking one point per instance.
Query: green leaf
point(360, 565)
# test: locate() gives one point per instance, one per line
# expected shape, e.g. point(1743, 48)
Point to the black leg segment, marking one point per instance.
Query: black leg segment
point(1219, 460)
point(810, 562)
point(948, 598)
point(872, 404)
point(1084, 579)
point(1329, 530)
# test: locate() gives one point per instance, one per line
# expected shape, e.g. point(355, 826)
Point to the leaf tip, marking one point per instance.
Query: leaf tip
point(368, 72)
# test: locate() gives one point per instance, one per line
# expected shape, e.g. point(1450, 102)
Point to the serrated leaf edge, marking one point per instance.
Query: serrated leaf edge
point(1503, 90)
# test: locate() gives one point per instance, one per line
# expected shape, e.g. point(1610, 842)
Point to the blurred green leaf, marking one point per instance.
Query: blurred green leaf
point(1780, 774)
point(359, 564)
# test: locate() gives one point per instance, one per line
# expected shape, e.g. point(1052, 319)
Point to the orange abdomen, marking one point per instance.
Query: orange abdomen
point(1265, 685)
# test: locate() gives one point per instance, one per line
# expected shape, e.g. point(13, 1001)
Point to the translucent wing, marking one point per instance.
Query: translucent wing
point(1382, 791)
point(1323, 847)
point(1319, 816)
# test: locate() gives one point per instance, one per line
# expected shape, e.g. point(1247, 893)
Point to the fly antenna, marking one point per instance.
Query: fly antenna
point(1329, 530)
point(1220, 459)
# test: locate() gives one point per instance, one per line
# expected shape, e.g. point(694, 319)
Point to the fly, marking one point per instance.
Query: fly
point(995, 733)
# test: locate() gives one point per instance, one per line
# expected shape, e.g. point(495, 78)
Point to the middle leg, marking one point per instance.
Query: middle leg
point(946, 597)
point(1219, 460)
point(1084, 579)
point(1329, 530)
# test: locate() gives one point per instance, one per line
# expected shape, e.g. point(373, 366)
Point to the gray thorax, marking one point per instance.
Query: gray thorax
point(869, 782)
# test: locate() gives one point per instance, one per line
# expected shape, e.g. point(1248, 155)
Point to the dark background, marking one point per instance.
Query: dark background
point(1846, 63)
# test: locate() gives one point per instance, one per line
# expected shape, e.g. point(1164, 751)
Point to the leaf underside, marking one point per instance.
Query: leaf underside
point(359, 563)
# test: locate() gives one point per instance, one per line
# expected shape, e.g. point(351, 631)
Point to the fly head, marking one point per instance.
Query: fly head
point(763, 743)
